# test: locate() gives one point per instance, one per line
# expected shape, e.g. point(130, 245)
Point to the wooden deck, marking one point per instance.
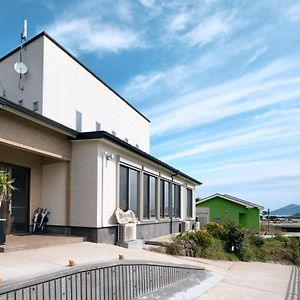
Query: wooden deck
point(33, 241)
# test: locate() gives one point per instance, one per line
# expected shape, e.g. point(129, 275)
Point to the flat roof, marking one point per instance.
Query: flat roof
point(75, 135)
point(105, 135)
point(43, 33)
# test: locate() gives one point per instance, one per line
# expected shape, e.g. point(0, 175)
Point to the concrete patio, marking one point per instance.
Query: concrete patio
point(230, 280)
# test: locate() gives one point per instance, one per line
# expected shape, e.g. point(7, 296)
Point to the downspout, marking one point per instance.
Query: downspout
point(171, 210)
point(102, 188)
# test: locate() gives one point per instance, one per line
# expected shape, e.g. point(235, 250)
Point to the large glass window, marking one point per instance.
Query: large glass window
point(129, 189)
point(149, 196)
point(176, 203)
point(164, 198)
point(189, 203)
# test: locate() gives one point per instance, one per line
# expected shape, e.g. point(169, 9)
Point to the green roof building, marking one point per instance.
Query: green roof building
point(223, 208)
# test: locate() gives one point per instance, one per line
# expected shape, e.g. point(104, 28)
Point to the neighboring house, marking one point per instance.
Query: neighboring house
point(63, 161)
point(223, 208)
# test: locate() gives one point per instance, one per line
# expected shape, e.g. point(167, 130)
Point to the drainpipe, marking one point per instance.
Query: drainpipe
point(175, 174)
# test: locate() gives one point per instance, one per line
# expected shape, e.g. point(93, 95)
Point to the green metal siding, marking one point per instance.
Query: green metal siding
point(225, 210)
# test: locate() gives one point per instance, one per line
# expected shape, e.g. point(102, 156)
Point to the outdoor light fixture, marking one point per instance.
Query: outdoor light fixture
point(108, 156)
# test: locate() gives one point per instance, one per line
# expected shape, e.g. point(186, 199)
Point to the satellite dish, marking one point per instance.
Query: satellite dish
point(20, 68)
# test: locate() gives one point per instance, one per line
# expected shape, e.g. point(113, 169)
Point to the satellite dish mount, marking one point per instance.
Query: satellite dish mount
point(19, 66)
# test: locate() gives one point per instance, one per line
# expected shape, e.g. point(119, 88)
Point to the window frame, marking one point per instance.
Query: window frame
point(149, 197)
point(187, 203)
point(173, 201)
point(128, 202)
point(162, 199)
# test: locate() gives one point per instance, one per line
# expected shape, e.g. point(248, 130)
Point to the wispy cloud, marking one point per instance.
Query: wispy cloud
point(87, 35)
point(253, 91)
point(212, 28)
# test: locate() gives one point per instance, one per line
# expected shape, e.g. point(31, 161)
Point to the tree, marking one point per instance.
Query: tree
point(5, 185)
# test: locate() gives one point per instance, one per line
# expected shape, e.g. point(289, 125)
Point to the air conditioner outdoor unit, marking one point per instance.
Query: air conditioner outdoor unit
point(127, 232)
point(196, 225)
point(186, 226)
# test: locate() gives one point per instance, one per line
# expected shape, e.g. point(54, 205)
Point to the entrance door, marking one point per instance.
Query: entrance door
point(17, 206)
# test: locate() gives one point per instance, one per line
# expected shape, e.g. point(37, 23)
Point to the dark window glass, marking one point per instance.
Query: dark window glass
point(133, 190)
point(176, 201)
point(129, 189)
point(123, 188)
point(164, 198)
point(149, 197)
point(146, 197)
point(189, 203)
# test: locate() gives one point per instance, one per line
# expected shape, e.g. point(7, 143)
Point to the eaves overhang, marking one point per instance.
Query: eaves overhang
point(107, 136)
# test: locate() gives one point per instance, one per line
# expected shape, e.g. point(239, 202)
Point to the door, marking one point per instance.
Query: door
point(16, 209)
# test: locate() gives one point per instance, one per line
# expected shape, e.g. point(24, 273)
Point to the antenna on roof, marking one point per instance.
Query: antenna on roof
point(19, 66)
point(24, 33)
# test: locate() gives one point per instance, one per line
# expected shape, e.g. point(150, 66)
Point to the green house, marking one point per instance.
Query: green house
point(222, 208)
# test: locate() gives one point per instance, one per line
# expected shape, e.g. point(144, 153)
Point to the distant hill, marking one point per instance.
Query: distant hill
point(288, 210)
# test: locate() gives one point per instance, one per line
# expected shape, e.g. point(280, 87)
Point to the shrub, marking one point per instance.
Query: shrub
point(256, 240)
point(215, 229)
point(173, 248)
point(233, 237)
point(201, 238)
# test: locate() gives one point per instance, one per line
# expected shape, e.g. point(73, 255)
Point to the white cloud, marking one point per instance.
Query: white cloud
point(251, 172)
point(258, 53)
point(178, 22)
point(210, 29)
point(88, 35)
point(261, 88)
point(147, 3)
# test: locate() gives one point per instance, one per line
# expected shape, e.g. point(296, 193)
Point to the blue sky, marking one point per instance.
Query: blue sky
point(219, 80)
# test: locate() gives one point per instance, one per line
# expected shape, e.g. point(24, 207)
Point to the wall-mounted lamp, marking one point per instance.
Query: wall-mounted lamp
point(108, 156)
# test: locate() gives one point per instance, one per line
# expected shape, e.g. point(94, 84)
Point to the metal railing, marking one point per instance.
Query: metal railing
point(118, 280)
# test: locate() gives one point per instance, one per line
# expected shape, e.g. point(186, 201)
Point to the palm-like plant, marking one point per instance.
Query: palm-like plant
point(5, 185)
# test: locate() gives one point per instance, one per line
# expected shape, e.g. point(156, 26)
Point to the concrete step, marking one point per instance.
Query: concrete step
point(33, 241)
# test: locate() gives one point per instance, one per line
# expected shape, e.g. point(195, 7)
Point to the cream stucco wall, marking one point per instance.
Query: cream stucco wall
point(62, 87)
point(84, 184)
point(68, 88)
point(89, 157)
point(55, 192)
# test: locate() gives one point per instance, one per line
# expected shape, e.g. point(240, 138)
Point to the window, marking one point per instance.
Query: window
point(164, 198)
point(176, 197)
point(189, 203)
point(35, 106)
point(21, 103)
point(78, 120)
point(98, 126)
point(113, 132)
point(129, 189)
point(149, 196)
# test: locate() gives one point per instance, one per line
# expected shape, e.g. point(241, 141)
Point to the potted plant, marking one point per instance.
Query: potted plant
point(6, 184)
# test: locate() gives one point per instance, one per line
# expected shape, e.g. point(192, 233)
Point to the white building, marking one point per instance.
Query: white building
point(51, 144)
point(59, 87)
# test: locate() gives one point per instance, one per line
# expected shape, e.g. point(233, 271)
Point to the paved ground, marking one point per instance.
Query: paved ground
point(231, 280)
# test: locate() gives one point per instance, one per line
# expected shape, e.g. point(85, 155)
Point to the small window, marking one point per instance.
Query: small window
point(78, 120)
point(137, 146)
point(21, 103)
point(98, 126)
point(35, 106)
point(189, 203)
point(113, 132)
point(126, 140)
